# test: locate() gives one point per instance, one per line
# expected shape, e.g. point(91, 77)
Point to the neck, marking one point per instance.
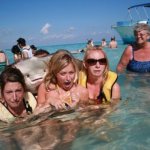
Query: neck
point(94, 80)
point(61, 90)
point(144, 45)
point(16, 111)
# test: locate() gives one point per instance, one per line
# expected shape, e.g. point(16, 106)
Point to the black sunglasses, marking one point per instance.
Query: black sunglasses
point(93, 62)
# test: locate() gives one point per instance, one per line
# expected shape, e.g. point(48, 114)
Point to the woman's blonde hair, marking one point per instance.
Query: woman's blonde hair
point(57, 62)
point(98, 48)
point(142, 26)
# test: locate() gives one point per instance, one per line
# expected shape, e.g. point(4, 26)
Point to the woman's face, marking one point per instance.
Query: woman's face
point(13, 94)
point(95, 63)
point(141, 36)
point(66, 77)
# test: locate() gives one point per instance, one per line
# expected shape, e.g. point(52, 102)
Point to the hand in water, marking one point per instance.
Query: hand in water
point(55, 101)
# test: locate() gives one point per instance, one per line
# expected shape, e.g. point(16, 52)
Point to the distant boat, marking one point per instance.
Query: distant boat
point(125, 28)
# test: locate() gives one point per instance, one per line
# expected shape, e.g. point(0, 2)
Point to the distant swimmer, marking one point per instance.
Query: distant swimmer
point(103, 42)
point(26, 50)
point(17, 53)
point(113, 43)
point(3, 60)
point(90, 43)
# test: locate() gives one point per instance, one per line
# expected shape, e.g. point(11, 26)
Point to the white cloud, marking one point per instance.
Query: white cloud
point(70, 29)
point(45, 28)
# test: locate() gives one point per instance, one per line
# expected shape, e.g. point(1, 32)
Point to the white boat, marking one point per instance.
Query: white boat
point(125, 28)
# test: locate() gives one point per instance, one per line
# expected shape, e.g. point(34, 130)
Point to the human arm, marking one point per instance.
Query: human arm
point(80, 96)
point(55, 100)
point(116, 95)
point(124, 60)
point(25, 54)
point(41, 97)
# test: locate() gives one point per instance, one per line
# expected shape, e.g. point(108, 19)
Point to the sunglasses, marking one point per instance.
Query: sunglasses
point(93, 62)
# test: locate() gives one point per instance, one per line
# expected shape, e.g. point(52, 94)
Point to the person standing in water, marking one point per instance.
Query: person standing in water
point(15, 100)
point(60, 88)
point(3, 60)
point(98, 79)
point(113, 43)
point(17, 53)
point(136, 56)
point(26, 50)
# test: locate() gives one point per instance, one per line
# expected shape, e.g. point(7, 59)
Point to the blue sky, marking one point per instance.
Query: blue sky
point(50, 22)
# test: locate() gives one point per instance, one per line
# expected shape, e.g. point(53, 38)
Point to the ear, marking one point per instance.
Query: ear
point(76, 77)
point(148, 37)
point(84, 64)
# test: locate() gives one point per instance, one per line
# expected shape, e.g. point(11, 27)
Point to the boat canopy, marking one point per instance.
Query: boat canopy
point(140, 5)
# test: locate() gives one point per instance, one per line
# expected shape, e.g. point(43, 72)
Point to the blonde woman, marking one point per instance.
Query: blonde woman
point(136, 56)
point(97, 78)
point(60, 88)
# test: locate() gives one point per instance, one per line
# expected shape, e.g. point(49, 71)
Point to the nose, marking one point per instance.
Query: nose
point(14, 95)
point(68, 77)
point(97, 64)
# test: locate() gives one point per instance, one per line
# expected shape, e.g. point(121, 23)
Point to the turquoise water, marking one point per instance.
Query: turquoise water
point(125, 126)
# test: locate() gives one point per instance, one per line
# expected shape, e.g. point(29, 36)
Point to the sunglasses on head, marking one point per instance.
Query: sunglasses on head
point(93, 62)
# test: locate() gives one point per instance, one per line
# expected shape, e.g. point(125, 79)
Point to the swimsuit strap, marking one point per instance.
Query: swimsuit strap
point(27, 107)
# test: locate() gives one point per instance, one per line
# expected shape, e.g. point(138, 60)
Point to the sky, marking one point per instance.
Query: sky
point(51, 22)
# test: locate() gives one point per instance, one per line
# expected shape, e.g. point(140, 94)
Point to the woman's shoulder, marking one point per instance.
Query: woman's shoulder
point(82, 89)
point(128, 51)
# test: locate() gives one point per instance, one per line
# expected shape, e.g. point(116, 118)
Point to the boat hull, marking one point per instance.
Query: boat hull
point(126, 28)
point(126, 33)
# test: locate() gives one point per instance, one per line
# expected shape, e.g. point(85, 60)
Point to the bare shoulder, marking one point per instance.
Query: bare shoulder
point(82, 89)
point(116, 87)
point(84, 94)
point(42, 86)
point(128, 50)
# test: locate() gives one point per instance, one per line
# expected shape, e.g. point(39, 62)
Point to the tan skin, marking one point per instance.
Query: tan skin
point(141, 51)
point(65, 89)
point(3, 58)
point(13, 98)
point(94, 73)
point(113, 44)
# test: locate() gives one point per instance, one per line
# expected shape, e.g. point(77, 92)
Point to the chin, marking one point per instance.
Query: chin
point(67, 88)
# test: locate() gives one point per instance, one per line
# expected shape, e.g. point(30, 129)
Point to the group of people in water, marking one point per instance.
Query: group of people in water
point(70, 83)
point(112, 44)
point(23, 51)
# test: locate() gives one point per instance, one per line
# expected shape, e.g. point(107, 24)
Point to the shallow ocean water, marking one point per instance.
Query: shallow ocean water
point(125, 126)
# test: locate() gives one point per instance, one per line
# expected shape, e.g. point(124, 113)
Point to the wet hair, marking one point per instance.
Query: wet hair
point(21, 41)
point(89, 41)
point(33, 47)
point(15, 49)
point(112, 38)
point(94, 48)
point(11, 74)
point(142, 26)
point(58, 61)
